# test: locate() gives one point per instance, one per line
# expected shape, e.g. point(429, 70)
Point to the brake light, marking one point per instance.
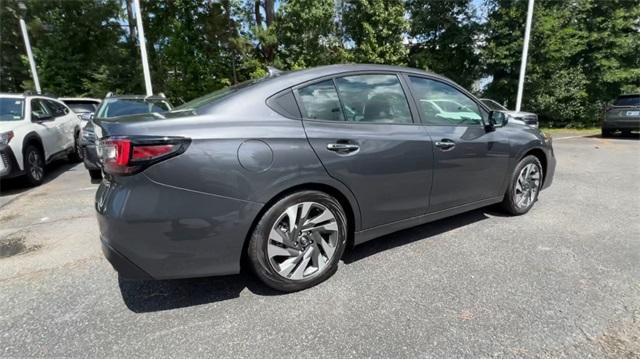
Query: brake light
point(150, 152)
point(128, 155)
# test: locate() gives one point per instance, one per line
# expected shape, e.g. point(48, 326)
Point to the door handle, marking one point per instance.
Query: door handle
point(445, 144)
point(342, 147)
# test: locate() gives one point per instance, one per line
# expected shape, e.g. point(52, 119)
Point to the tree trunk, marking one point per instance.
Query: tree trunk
point(258, 14)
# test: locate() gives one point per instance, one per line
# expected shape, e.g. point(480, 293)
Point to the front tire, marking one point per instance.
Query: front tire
point(298, 242)
point(524, 186)
point(34, 165)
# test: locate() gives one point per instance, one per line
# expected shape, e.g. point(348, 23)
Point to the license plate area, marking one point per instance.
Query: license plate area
point(633, 113)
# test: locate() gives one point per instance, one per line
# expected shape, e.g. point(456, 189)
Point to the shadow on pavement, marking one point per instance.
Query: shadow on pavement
point(17, 185)
point(619, 136)
point(142, 296)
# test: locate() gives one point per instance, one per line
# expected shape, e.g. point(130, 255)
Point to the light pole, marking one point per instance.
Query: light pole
point(525, 50)
point(143, 49)
point(27, 45)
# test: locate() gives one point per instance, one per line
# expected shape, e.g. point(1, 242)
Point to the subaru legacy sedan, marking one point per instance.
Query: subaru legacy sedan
point(288, 171)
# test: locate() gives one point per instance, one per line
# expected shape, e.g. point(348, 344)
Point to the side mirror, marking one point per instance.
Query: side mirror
point(40, 117)
point(497, 119)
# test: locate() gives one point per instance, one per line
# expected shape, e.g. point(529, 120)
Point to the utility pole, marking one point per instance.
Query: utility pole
point(27, 45)
point(525, 50)
point(143, 49)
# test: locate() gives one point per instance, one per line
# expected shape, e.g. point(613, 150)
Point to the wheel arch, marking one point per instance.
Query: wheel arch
point(541, 156)
point(350, 208)
point(33, 138)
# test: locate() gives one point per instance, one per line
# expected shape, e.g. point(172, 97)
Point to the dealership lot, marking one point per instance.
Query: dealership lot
point(563, 280)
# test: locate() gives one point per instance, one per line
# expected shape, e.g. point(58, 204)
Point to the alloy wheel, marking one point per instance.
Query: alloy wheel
point(303, 240)
point(527, 185)
point(36, 167)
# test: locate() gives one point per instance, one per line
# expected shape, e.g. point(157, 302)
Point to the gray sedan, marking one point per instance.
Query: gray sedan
point(289, 170)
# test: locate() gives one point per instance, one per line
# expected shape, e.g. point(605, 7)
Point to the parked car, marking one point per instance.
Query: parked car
point(528, 118)
point(110, 109)
point(35, 130)
point(622, 115)
point(290, 170)
point(84, 107)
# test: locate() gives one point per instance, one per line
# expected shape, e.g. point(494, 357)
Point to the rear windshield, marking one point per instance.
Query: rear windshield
point(627, 101)
point(216, 95)
point(79, 107)
point(121, 107)
point(11, 109)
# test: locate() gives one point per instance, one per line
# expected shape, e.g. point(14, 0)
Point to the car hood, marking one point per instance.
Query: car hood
point(11, 125)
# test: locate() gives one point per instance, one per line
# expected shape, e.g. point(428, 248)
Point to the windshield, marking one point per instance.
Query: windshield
point(627, 101)
point(492, 105)
point(121, 107)
point(80, 107)
point(11, 109)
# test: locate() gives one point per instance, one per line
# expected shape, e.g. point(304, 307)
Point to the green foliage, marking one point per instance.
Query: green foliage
point(445, 33)
point(308, 34)
point(582, 54)
point(376, 28)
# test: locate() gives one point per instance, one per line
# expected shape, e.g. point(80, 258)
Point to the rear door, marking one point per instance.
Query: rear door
point(471, 162)
point(361, 128)
point(47, 130)
point(65, 121)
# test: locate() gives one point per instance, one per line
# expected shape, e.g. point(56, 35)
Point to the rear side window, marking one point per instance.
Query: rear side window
point(373, 98)
point(57, 109)
point(320, 102)
point(442, 104)
point(627, 101)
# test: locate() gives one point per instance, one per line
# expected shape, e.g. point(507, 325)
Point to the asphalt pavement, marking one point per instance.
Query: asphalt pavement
point(561, 281)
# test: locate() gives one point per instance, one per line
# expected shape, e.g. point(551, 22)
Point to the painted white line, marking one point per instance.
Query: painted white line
point(569, 137)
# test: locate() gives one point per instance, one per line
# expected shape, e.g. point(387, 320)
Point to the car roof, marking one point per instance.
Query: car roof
point(295, 77)
point(78, 99)
point(136, 97)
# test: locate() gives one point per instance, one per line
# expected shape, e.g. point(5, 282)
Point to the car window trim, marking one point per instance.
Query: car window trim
point(484, 110)
point(332, 77)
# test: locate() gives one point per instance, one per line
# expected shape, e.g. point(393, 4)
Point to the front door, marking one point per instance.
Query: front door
point(470, 162)
point(361, 128)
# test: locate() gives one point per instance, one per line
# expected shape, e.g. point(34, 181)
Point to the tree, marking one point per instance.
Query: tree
point(14, 69)
point(445, 34)
point(308, 34)
point(582, 54)
point(376, 29)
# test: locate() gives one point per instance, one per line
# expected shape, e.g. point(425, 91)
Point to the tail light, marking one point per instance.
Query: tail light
point(129, 155)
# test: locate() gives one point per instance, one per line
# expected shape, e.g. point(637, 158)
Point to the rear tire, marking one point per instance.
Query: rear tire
point(95, 175)
point(524, 186)
point(76, 155)
point(34, 165)
point(606, 132)
point(291, 257)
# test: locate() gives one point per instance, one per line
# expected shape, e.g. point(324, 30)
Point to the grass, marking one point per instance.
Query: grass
point(572, 131)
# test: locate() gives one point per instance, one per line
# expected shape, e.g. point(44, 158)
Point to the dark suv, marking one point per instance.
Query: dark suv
point(111, 108)
point(623, 115)
point(292, 169)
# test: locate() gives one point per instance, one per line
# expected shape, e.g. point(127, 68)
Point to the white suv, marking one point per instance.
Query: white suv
point(35, 130)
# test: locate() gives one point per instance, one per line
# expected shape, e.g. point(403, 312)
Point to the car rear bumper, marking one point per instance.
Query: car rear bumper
point(622, 125)
point(90, 157)
point(8, 163)
point(168, 232)
point(122, 265)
